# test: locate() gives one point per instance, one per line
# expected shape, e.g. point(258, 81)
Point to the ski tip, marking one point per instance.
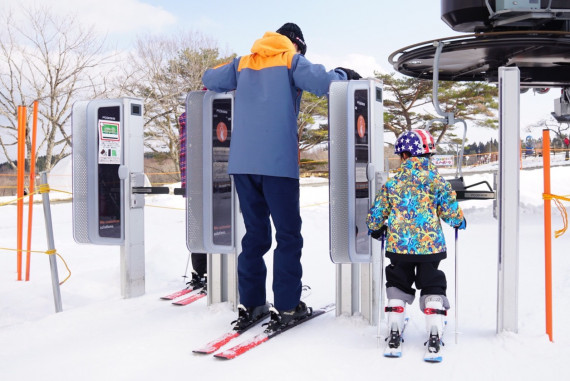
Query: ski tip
point(393, 355)
point(435, 359)
point(176, 294)
point(204, 351)
point(224, 356)
point(327, 308)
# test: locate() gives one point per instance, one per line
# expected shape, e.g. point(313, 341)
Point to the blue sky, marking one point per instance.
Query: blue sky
point(358, 34)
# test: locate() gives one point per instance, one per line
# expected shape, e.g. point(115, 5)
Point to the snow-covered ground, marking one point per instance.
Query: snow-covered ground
point(100, 336)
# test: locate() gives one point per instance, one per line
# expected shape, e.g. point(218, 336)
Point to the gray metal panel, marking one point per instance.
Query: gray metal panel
point(79, 171)
point(85, 171)
point(342, 171)
point(359, 275)
point(352, 172)
point(508, 198)
point(133, 251)
point(347, 289)
point(209, 244)
point(222, 279)
point(194, 172)
point(338, 172)
point(379, 176)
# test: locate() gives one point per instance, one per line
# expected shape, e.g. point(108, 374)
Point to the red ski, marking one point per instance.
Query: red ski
point(192, 298)
point(216, 344)
point(240, 349)
point(177, 294)
point(263, 337)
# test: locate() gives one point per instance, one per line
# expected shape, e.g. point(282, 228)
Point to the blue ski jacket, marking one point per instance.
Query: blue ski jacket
point(411, 205)
point(268, 86)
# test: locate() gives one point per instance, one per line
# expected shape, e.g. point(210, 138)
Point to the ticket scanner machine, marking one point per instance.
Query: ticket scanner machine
point(356, 171)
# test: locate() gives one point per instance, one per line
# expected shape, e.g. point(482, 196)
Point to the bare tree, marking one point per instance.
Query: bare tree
point(561, 131)
point(52, 59)
point(161, 71)
point(312, 107)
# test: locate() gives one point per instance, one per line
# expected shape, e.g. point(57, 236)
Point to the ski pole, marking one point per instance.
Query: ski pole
point(456, 287)
point(185, 276)
point(381, 298)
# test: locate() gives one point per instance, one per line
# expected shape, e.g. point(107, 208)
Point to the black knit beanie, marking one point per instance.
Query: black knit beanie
point(293, 32)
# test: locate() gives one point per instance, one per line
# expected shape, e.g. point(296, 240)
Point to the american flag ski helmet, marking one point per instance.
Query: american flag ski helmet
point(416, 142)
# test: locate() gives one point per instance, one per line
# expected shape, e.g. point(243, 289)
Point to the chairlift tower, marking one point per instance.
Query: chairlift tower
point(518, 45)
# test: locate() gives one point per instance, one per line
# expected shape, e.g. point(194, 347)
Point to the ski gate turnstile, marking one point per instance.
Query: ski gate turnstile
point(356, 171)
point(213, 221)
point(107, 155)
point(108, 167)
point(215, 225)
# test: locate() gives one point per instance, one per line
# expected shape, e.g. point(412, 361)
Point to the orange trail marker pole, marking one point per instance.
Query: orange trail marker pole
point(32, 184)
point(20, 187)
point(547, 232)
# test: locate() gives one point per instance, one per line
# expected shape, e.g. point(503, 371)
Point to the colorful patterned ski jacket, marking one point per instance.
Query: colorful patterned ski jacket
point(268, 87)
point(411, 205)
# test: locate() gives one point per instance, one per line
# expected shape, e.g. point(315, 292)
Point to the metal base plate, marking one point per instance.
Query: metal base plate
point(543, 57)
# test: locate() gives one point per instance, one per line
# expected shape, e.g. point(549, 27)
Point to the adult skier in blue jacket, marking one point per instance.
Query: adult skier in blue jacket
point(264, 162)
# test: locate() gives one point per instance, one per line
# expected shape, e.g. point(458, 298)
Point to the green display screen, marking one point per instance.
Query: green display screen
point(109, 184)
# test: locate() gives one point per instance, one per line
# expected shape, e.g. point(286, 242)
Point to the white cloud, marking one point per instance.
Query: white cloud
point(107, 16)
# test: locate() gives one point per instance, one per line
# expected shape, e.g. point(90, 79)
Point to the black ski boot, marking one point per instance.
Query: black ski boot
point(250, 315)
point(281, 319)
point(197, 282)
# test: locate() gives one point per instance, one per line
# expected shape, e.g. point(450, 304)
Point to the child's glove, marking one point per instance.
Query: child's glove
point(463, 224)
point(377, 234)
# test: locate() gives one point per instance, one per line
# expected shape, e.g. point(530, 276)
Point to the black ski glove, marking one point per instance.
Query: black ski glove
point(350, 74)
point(377, 234)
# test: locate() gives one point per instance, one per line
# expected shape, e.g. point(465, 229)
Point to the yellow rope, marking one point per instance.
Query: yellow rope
point(8, 203)
point(562, 210)
point(45, 188)
point(48, 252)
point(42, 188)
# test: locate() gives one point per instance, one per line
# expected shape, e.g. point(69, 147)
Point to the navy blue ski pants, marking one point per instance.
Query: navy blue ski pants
point(261, 197)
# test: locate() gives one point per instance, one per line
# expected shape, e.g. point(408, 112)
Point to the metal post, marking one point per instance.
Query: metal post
point(222, 268)
point(347, 289)
point(380, 296)
point(508, 199)
point(51, 246)
point(456, 284)
point(132, 175)
point(367, 292)
point(222, 279)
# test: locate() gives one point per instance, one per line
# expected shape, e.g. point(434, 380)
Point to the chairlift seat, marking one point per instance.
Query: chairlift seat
point(464, 193)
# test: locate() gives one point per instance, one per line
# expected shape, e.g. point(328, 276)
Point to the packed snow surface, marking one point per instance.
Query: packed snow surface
point(100, 336)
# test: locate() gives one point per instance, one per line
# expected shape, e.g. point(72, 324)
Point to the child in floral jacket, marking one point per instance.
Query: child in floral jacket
point(409, 208)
